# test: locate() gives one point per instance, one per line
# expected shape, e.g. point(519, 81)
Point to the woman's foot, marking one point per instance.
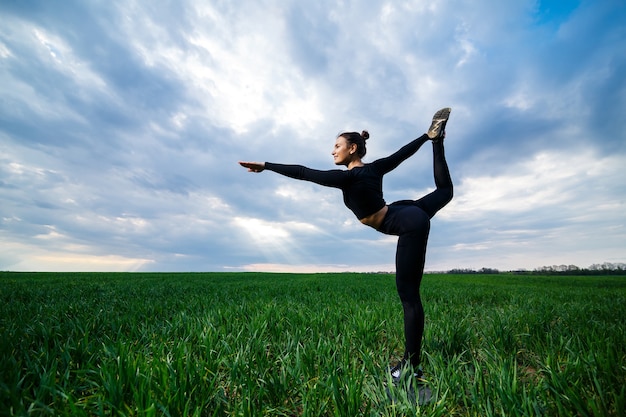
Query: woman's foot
point(437, 128)
point(403, 370)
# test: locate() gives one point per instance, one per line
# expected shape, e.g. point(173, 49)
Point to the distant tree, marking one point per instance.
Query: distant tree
point(606, 268)
point(461, 271)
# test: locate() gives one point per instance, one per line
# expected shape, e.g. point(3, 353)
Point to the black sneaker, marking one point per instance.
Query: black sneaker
point(438, 126)
point(402, 371)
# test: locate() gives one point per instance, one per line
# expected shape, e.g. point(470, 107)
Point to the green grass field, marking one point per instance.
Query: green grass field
point(314, 345)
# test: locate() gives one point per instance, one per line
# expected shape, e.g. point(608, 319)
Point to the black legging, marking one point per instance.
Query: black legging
point(410, 221)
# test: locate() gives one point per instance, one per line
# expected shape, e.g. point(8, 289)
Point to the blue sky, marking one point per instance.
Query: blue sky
point(121, 124)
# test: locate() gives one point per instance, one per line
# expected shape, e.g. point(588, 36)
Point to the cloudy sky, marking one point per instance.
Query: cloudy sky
point(121, 124)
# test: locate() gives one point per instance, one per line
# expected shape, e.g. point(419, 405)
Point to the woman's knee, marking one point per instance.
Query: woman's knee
point(409, 297)
point(413, 307)
point(448, 193)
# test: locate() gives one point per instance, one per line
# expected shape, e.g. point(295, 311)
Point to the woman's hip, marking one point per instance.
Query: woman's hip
point(405, 217)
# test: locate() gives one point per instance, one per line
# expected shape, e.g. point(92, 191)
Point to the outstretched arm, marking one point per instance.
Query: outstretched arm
point(253, 166)
point(333, 178)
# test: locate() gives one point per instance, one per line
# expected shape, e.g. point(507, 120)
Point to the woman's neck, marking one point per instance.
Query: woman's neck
point(356, 163)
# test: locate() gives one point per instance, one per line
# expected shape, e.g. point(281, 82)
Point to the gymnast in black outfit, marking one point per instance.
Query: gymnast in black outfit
point(361, 185)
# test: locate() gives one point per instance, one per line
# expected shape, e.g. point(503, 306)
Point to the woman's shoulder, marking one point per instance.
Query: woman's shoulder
point(365, 170)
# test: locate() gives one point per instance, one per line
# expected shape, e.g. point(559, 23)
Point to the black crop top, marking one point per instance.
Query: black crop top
point(362, 187)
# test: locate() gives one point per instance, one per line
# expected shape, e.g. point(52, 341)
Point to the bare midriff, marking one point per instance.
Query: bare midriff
point(375, 220)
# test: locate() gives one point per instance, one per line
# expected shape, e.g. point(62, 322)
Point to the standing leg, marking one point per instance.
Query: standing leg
point(410, 257)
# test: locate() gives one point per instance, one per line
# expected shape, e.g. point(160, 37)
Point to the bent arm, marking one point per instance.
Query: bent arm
point(390, 162)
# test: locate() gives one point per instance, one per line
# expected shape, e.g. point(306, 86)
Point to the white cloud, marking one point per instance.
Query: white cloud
point(550, 180)
point(33, 258)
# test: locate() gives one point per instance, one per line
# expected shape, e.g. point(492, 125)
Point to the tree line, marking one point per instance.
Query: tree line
point(606, 268)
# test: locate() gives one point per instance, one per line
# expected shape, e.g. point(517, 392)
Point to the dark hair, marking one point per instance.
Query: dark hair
point(358, 140)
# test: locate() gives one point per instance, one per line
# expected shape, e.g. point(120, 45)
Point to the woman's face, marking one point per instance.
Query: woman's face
point(342, 151)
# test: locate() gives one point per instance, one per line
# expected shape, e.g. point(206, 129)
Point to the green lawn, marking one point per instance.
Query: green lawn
point(317, 345)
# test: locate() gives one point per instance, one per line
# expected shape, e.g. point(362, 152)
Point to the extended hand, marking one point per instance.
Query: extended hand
point(253, 166)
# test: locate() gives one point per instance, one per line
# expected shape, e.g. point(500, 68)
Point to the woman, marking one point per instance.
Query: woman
point(361, 185)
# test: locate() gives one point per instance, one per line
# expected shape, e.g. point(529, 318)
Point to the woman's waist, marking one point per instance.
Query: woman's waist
point(376, 219)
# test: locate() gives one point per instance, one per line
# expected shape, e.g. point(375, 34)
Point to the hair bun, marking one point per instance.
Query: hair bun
point(365, 134)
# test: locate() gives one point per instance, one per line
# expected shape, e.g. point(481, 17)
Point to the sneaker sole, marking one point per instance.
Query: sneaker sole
point(439, 123)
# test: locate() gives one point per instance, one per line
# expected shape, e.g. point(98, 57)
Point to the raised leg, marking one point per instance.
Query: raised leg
point(436, 200)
